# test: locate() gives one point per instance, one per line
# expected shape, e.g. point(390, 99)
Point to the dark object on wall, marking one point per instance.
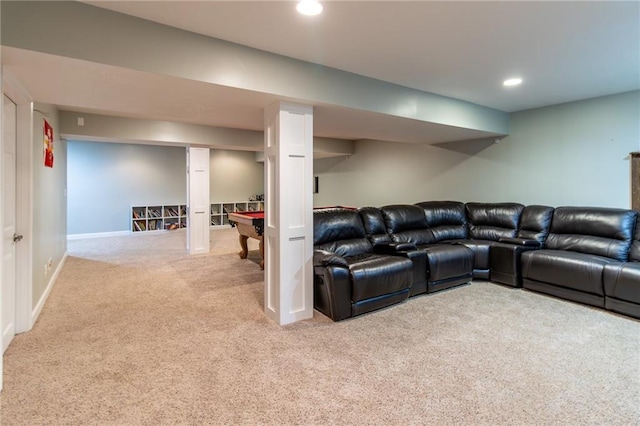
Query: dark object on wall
point(316, 188)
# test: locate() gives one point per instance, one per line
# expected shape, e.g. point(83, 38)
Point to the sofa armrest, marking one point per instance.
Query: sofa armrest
point(521, 242)
point(326, 258)
point(393, 248)
point(332, 291)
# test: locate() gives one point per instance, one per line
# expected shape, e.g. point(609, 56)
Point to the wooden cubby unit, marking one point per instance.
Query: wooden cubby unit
point(158, 217)
point(219, 211)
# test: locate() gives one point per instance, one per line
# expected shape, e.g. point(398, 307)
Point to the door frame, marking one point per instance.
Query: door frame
point(24, 198)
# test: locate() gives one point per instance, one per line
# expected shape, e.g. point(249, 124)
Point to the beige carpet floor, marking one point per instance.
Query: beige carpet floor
point(136, 332)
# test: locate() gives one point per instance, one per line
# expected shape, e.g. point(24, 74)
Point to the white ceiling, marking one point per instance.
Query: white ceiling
point(564, 51)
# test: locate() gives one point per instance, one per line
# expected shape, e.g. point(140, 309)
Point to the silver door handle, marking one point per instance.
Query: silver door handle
point(17, 237)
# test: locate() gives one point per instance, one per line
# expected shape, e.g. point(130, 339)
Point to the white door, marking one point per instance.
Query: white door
point(9, 236)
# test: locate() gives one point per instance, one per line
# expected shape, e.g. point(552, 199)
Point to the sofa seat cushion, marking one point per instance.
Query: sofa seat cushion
point(577, 271)
point(446, 261)
point(374, 275)
point(622, 281)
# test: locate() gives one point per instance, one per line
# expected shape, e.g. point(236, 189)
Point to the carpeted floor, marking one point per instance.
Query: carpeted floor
point(136, 332)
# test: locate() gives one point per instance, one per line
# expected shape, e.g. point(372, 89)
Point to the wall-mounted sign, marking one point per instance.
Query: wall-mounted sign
point(48, 144)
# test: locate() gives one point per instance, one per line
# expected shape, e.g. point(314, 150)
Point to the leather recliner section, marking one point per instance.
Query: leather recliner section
point(376, 231)
point(349, 277)
point(487, 223)
point(583, 242)
point(447, 265)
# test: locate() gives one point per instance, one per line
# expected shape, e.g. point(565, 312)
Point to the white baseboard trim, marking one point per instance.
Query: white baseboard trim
point(36, 311)
point(98, 235)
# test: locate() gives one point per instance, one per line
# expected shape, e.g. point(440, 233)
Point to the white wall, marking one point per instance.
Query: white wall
point(570, 154)
point(106, 179)
point(49, 202)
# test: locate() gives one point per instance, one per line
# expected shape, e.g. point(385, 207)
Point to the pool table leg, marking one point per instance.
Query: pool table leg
point(261, 254)
point(243, 245)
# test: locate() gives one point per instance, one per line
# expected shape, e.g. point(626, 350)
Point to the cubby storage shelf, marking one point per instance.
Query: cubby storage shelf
point(174, 216)
point(219, 211)
point(158, 217)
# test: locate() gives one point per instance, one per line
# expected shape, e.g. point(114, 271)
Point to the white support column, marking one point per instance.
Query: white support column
point(198, 200)
point(288, 231)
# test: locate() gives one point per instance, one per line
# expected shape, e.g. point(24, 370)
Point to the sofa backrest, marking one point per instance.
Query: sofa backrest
point(492, 221)
point(374, 225)
point(339, 231)
point(593, 230)
point(535, 223)
point(407, 223)
point(634, 251)
point(447, 220)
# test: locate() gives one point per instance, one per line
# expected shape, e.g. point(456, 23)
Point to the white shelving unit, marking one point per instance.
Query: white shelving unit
point(219, 211)
point(158, 217)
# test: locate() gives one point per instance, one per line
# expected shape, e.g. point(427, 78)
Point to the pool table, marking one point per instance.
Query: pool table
point(250, 225)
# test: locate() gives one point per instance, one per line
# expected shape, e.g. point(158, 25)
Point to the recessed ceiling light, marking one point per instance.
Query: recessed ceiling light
point(512, 82)
point(309, 7)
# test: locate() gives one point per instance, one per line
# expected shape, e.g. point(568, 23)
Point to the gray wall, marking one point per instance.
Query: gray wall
point(569, 154)
point(235, 175)
point(49, 202)
point(106, 179)
point(382, 173)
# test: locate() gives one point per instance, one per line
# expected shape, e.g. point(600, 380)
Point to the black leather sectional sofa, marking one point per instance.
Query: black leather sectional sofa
point(370, 258)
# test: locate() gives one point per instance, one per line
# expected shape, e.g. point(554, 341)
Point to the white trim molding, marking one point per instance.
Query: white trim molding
point(45, 295)
point(98, 235)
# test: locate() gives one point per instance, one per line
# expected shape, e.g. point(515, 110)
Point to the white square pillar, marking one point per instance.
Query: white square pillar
point(288, 230)
point(198, 200)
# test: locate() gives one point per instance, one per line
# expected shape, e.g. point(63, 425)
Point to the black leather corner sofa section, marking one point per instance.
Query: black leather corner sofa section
point(350, 277)
point(581, 243)
point(375, 257)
